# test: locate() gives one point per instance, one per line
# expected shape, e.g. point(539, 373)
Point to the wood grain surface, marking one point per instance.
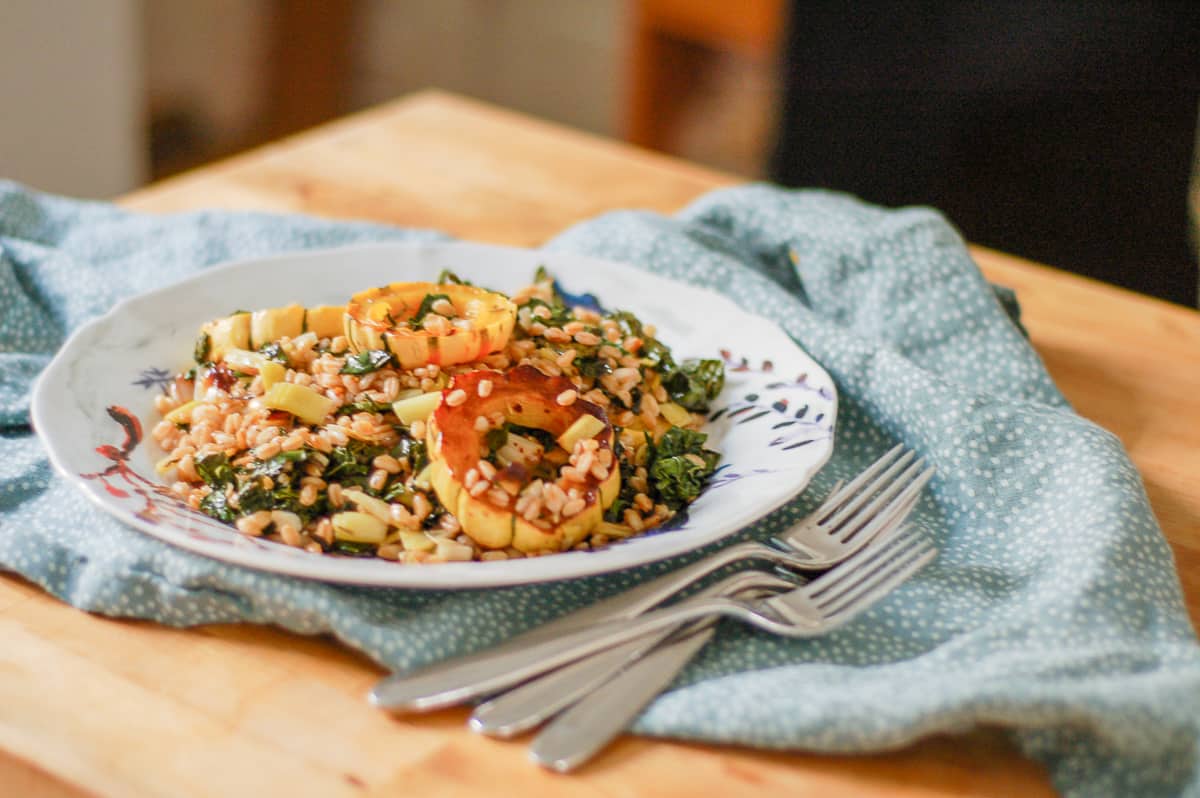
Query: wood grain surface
point(91, 705)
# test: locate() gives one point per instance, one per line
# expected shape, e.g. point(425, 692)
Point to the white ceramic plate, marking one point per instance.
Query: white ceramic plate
point(773, 423)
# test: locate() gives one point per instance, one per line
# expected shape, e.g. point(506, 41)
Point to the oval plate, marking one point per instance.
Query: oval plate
point(773, 423)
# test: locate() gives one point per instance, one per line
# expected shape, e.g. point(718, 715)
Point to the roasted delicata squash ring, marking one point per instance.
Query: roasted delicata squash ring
point(522, 396)
point(249, 331)
point(422, 323)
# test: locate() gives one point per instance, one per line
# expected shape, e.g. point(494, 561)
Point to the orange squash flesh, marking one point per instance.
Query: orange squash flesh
point(377, 319)
point(526, 397)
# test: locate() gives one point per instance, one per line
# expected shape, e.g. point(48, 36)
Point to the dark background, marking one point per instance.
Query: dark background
point(1064, 132)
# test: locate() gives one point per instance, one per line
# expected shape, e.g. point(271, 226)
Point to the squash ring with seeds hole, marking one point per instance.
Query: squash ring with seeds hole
point(525, 397)
point(430, 323)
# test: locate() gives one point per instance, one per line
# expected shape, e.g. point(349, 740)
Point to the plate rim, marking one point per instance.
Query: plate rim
point(432, 576)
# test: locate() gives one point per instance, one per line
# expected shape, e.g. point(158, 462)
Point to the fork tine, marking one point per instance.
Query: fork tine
point(848, 491)
point(882, 583)
point(881, 493)
point(873, 517)
point(902, 549)
point(834, 581)
point(865, 491)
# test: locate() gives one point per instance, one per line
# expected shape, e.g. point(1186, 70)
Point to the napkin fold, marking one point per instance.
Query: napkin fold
point(1053, 610)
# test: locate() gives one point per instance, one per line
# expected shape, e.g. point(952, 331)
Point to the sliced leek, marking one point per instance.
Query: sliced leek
point(301, 401)
point(358, 527)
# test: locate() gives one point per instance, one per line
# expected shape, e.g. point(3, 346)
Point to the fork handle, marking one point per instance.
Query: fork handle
point(490, 671)
point(646, 596)
point(531, 703)
point(581, 731)
point(539, 699)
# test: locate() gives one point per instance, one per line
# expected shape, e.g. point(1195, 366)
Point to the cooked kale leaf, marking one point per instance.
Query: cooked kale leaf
point(695, 383)
point(449, 277)
point(202, 349)
point(276, 465)
point(274, 351)
point(215, 470)
point(559, 313)
point(679, 465)
point(364, 406)
point(425, 308)
point(653, 351)
point(351, 463)
point(414, 450)
point(352, 548)
point(367, 361)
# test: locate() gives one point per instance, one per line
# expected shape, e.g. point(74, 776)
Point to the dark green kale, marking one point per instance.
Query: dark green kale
point(679, 465)
point(413, 450)
point(425, 308)
point(654, 352)
point(215, 470)
point(695, 383)
point(352, 548)
point(495, 439)
point(367, 361)
point(615, 514)
point(278, 464)
point(274, 351)
point(364, 406)
point(448, 277)
point(560, 314)
point(351, 464)
point(252, 497)
point(592, 366)
point(543, 437)
point(399, 492)
point(216, 505)
point(202, 349)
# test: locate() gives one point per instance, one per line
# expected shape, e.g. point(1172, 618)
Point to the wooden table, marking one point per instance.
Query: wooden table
point(94, 705)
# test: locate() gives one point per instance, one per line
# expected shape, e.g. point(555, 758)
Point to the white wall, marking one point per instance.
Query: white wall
point(71, 103)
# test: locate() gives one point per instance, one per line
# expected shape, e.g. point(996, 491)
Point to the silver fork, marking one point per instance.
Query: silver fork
point(849, 518)
point(841, 526)
point(530, 704)
point(806, 611)
point(592, 722)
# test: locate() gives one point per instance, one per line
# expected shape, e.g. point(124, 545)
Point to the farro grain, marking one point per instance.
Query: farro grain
point(421, 506)
point(390, 551)
point(587, 338)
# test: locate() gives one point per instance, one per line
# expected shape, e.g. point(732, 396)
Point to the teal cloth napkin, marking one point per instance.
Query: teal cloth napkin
point(1052, 611)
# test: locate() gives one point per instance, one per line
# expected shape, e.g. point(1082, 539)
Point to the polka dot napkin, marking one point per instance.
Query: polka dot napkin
point(1053, 610)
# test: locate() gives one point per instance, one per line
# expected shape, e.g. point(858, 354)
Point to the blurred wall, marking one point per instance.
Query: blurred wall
point(560, 59)
point(207, 60)
point(71, 94)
